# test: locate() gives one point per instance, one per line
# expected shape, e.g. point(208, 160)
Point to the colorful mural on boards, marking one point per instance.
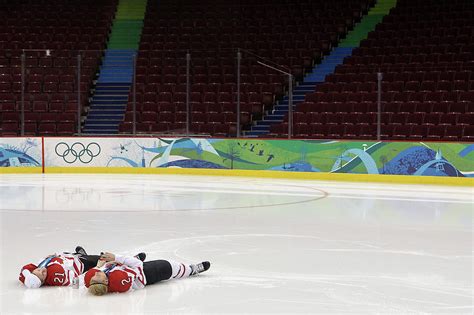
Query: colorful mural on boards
point(359, 157)
point(20, 152)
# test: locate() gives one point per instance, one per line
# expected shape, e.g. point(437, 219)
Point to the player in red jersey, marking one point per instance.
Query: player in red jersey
point(58, 269)
point(116, 273)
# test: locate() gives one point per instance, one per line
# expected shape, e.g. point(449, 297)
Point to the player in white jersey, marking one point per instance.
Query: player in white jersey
point(58, 269)
point(116, 273)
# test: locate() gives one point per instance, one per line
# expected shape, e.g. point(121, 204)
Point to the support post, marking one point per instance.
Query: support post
point(379, 105)
point(79, 107)
point(290, 95)
point(188, 92)
point(239, 59)
point(290, 106)
point(134, 96)
point(22, 110)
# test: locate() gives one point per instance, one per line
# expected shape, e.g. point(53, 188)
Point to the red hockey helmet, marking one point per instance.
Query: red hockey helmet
point(88, 276)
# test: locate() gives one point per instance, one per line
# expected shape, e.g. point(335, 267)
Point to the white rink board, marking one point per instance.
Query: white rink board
point(20, 152)
point(93, 152)
point(114, 152)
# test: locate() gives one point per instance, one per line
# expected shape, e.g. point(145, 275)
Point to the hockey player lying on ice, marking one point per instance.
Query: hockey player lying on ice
point(60, 269)
point(115, 273)
point(57, 269)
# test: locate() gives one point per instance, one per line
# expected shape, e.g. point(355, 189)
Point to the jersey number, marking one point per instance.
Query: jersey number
point(126, 281)
point(56, 279)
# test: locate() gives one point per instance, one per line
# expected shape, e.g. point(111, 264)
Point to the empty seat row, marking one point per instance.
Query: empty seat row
point(40, 106)
point(42, 129)
point(48, 87)
point(386, 118)
point(226, 117)
point(390, 96)
point(403, 67)
point(394, 132)
point(398, 86)
point(176, 107)
point(415, 49)
point(48, 62)
point(213, 78)
point(46, 97)
point(419, 58)
point(448, 77)
point(35, 77)
point(38, 117)
point(245, 87)
point(13, 45)
point(208, 97)
point(216, 129)
point(391, 107)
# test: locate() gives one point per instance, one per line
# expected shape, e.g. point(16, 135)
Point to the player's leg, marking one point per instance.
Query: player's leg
point(89, 261)
point(159, 270)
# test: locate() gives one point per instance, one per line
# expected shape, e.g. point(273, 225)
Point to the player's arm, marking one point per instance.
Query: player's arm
point(129, 261)
point(44, 262)
point(26, 271)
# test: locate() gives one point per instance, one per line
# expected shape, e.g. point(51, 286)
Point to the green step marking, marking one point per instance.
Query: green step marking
point(368, 23)
point(128, 25)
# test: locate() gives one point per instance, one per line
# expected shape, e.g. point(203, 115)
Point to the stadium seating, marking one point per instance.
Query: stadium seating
point(426, 54)
point(64, 28)
point(294, 34)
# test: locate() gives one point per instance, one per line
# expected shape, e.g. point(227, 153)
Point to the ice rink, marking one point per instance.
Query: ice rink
point(276, 246)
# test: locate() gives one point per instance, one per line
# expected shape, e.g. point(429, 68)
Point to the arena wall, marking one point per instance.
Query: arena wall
point(409, 162)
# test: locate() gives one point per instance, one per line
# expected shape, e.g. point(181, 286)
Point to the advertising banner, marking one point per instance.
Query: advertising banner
point(20, 152)
point(356, 157)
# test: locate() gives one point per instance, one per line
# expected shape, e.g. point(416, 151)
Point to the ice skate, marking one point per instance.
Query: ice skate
point(201, 267)
point(141, 256)
point(81, 251)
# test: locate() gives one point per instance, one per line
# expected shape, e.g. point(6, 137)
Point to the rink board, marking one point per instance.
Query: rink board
point(21, 155)
point(410, 162)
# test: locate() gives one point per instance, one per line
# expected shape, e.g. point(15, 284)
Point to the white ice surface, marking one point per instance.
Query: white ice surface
point(276, 246)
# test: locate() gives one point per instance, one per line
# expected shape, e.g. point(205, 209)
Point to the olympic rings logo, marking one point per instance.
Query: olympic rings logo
point(77, 150)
